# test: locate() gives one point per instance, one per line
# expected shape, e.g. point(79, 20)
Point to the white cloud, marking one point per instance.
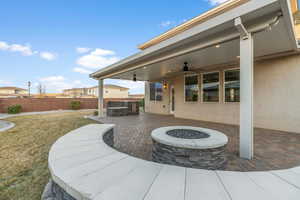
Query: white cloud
point(216, 2)
point(166, 23)
point(52, 78)
point(4, 82)
point(4, 46)
point(98, 59)
point(82, 49)
point(102, 52)
point(82, 70)
point(171, 24)
point(59, 83)
point(77, 82)
point(25, 50)
point(47, 55)
point(184, 20)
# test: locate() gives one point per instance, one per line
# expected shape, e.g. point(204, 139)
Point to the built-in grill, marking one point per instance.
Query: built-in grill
point(122, 108)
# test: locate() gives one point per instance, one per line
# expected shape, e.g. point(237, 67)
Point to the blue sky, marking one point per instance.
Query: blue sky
point(58, 42)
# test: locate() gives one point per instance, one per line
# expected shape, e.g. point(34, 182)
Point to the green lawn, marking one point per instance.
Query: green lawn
point(24, 152)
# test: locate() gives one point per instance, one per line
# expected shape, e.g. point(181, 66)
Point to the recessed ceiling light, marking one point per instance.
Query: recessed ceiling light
point(218, 46)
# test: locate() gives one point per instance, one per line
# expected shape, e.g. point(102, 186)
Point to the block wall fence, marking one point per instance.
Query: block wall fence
point(48, 104)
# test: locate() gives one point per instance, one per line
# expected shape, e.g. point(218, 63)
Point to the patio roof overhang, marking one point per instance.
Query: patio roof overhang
point(255, 29)
point(213, 43)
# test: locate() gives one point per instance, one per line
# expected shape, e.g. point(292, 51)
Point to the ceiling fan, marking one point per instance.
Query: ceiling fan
point(185, 70)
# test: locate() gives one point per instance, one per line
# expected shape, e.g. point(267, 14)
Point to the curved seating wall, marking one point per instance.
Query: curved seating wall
point(5, 125)
point(84, 166)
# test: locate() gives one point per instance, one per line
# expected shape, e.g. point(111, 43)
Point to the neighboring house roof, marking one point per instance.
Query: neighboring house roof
point(13, 95)
point(115, 87)
point(74, 89)
point(105, 86)
point(136, 96)
point(11, 88)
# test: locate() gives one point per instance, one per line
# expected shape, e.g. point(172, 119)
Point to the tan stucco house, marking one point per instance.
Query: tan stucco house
point(238, 63)
point(6, 92)
point(110, 91)
point(75, 92)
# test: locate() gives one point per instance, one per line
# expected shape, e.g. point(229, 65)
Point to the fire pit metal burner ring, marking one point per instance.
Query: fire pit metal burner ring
point(187, 134)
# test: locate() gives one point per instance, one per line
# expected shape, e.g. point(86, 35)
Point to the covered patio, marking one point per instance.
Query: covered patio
point(237, 35)
point(273, 149)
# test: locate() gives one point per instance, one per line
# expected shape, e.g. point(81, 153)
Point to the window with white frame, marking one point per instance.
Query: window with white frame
point(156, 91)
point(210, 87)
point(232, 85)
point(191, 88)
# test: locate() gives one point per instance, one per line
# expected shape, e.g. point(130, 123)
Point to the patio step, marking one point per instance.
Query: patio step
point(87, 168)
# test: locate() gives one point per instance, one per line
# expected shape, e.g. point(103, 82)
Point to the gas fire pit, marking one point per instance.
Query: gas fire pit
point(189, 147)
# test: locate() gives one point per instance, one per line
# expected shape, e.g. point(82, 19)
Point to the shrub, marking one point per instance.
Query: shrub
point(75, 105)
point(14, 109)
point(142, 104)
point(96, 113)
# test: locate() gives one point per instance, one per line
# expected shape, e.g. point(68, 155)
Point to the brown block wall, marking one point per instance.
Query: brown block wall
point(46, 104)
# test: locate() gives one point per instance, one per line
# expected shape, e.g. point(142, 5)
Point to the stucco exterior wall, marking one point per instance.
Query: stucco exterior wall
point(277, 94)
point(297, 30)
point(276, 98)
point(109, 92)
point(158, 107)
point(115, 93)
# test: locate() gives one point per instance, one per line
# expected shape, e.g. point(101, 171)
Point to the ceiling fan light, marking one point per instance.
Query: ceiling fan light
point(185, 67)
point(134, 77)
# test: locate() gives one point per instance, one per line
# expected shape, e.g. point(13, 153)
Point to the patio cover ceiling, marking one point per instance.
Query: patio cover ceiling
point(212, 43)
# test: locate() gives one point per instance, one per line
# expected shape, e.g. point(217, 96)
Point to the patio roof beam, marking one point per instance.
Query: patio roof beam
point(100, 98)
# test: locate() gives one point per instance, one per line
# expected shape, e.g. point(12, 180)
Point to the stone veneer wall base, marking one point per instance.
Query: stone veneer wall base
point(211, 159)
point(53, 191)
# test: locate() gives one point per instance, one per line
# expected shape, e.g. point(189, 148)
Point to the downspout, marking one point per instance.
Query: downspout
point(266, 26)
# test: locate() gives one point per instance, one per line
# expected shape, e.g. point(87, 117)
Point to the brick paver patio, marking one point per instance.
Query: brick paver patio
point(273, 149)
